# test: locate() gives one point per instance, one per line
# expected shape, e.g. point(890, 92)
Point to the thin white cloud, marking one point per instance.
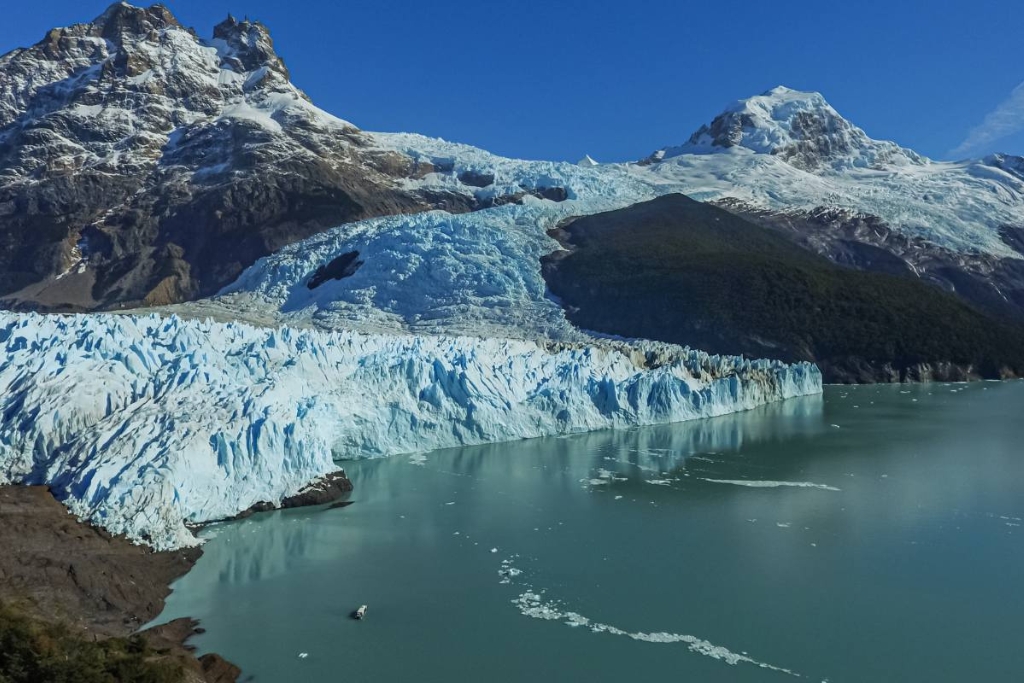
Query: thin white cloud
point(1004, 120)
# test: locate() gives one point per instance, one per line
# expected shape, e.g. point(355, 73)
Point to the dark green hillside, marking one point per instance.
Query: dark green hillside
point(38, 652)
point(680, 271)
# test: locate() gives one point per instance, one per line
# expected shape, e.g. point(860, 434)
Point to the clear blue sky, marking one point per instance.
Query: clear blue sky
point(558, 79)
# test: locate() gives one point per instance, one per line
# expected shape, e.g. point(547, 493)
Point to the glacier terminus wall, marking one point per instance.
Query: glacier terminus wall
point(144, 424)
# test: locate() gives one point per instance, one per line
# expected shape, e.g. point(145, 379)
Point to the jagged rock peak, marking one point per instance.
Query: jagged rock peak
point(249, 44)
point(121, 19)
point(800, 127)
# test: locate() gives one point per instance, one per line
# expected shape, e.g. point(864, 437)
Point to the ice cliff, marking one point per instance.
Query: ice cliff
point(143, 424)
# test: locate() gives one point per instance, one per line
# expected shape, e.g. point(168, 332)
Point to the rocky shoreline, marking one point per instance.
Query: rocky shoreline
point(59, 570)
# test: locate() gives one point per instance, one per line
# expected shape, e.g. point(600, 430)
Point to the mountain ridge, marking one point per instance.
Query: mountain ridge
point(152, 167)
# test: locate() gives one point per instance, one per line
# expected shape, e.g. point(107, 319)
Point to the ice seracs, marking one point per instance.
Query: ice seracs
point(143, 424)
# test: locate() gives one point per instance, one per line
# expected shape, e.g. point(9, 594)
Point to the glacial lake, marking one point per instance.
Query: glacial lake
point(872, 534)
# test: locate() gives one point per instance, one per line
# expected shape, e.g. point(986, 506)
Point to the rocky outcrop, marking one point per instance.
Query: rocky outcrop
point(327, 489)
point(337, 269)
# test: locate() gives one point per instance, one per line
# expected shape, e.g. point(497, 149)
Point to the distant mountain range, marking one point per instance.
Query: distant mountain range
point(142, 165)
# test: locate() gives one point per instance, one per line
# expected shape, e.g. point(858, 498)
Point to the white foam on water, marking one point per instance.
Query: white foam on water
point(533, 605)
point(772, 484)
point(418, 459)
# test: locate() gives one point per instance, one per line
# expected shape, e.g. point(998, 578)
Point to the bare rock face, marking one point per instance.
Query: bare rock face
point(141, 164)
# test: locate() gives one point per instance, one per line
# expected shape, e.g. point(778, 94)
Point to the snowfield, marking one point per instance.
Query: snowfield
point(143, 424)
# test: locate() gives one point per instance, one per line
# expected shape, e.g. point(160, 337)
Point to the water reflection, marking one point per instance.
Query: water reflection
point(261, 547)
point(655, 449)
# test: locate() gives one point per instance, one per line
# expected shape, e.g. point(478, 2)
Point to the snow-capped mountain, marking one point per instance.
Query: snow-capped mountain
point(800, 128)
point(790, 161)
point(791, 151)
point(142, 163)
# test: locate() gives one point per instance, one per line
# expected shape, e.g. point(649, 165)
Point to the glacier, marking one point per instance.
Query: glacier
point(147, 424)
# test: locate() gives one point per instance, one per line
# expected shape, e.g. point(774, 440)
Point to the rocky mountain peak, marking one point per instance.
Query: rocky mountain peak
point(122, 20)
point(802, 128)
point(249, 45)
point(142, 163)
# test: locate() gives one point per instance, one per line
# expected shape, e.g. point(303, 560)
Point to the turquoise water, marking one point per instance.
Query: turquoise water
point(873, 534)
